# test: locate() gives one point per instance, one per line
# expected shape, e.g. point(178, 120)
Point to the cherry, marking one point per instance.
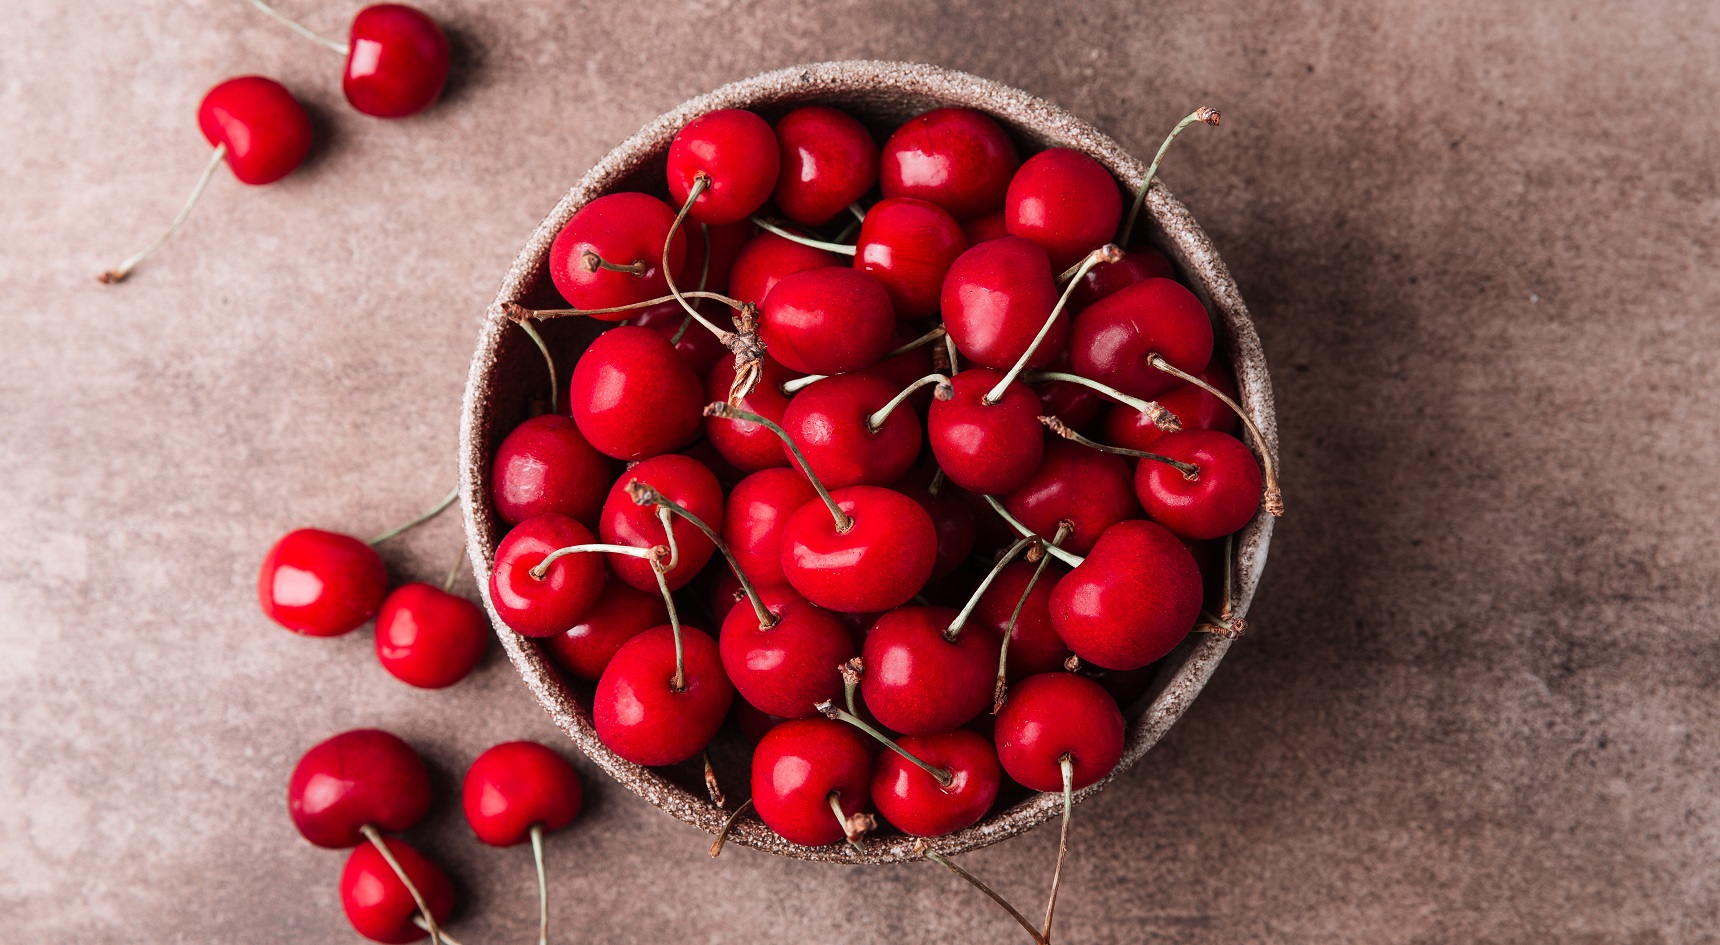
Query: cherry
point(384, 909)
point(632, 395)
point(610, 253)
point(736, 151)
point(850, 431)
point(910, 359)
point(687, 482)
point(321, 584)
point(538, 601)
point(765, 259)
point(952, 518)
point(957, 158)
point(696, 346)
point(723, 244)
point(876, 554)
point(996, 299)
point(1193, 406)
point(908, 245)
point(429, 638)
point(1053, 715)
point(546, 465)
point(827, 321)
point(1137, 265)
point(357, 779)
point(753, 723)
point(396, 63)
point(1219, 499)
point(917, 803)
point(747, 446)
point(1034, 646)
point(982, 229)
point(989, 448)
point(643, 715)
point(811, 781)
point(1074, 404)
point(1091, 489)
point(828, 161)
point(758, 509)
point(1133, 599)
point(786, 668)
point(516, 788)
point(621, 614)
point(921, 679)
point(1113, 339)
point(1066, 202)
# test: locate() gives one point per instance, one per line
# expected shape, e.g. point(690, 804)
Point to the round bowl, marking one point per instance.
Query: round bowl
point(507, 372)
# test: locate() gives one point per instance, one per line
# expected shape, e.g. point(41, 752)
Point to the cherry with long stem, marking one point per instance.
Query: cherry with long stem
point(745, 344)
point(1190, 471)
point(1000, 690)
point(1274, 497)
point(119, 272)
point(1161, 418)
point(439, 508)
point(375, 838)
point(799, 383)
point(1072, 560)
point(925, 850)
point(1105, 254)
point(1067, 765)
point(793, 237)
point(1203, 114)
point(726, 412)
point(645, 494)
point(831, 711)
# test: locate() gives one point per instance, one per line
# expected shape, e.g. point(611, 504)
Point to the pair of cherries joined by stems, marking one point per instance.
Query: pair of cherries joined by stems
point(396, 66)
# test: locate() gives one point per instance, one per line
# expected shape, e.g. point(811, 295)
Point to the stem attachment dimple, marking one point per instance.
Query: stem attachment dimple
point(1161, 418)
point(943, 776)
point(427, 516)
point(943, 391)
point(371, 834)
point(1071, 560)
point(794, 237)
point(727, 412)
point(1104, 254)
point(1205, 114)
point(954, 630)
point(921, 847)
point(591, 262)
point(1274, 497)
point(1189, 471)
point(118, 273)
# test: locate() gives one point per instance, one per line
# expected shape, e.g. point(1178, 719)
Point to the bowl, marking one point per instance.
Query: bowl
point(507, 372)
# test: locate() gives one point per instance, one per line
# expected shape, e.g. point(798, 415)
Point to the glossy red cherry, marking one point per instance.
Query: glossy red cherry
point(621, 614)
point(1093, 490)
point(542, 607)
point(996, 298)
point(515, 786)
point(879, 561)
point(1112, 338)
point(1193, 406)
point(737, 150)
point(758, 509)
point(1075, 404)
point(827, 321)
point(1132, 601)
point(1052, 715)
point(637, 713)
point(1221, 498)
point(765, 259)
point(545, 465)
point(1066, 202)
point(917, 804)
point(747, 446)
point(1137, 265)
point(365, 777)
point(989, 227)
point(633, 397)
point(828, 161)
point(625, 229)
point(789, 667)
point(908, 245)
point(829, 421)
point(698, 347)
point(753, 723)
point(1034, 646)
point(987, 448)
point(957, 158)
point(379, 905)
point(265, 129)
point(429, 638)
point(321, 584)
point(918, 681)
point(952, 518)
point(796, 769)
point(396, 61)
point(906, 367)
point(682, 480)
point(724, 243)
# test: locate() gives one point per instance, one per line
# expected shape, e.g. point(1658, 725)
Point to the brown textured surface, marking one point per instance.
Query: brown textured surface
point(1480, 244)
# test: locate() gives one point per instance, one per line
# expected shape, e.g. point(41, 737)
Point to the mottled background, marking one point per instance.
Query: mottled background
point(1480, 242)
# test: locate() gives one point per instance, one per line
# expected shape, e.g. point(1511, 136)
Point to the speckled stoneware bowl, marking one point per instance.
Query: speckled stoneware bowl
point(507, 372)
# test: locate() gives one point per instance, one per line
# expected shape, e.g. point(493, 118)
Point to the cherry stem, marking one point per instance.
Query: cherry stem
point(1227, 610)
point(800, 383)
point(858, 211)
point(727, 412)
point(1104, 254)
point(543, 885)
point(645, 494)
point(427, 516)
point(301, 29)
point(723, 832)
point(875, 421)
point(592, 262)
point(520, 313)
point(950, 351)
point(712, 788)
point(549, 361)
point(447, 939)
point(937, 483)
point(794, 237)
point(1068, 765)
point(853, 827)
point(1069, 559)
point(1274, 498)
point(851, 671)
point(1189, 471)
point(926, 851)
point(704, 279)
point(542, 570)
point(1161, 418)
point(700, 182)
point(1000, 690)
point(679, 682)
point(943, 776)
point(119, 272)
point(400, 871)
point(454, 571)
point(664, 519)
point(955, 628)
point(1204, 114)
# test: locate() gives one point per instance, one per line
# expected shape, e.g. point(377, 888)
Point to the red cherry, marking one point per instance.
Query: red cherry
point(698, 347)
point(1137, 265)
point(798, 766)
point(1056, 714)
point(952, 518)
point(682, 480)
point(542, 607)
point(637, 713)
point(984, 229)
point(734, 148)
point(758, 509)
point(753, 723)
point(1197, 409)
point(918, 681)
point(1075, 404)
point(915, 802)
point(396, 61)
point(545, 465)
point(765, 259)
point(379, 905)
point(909, 366)
point(515, 786)
point(1221, 499)
point(1034, 646)
point(747, 446)
point(908, 245)
point(365, 777)
point(321, 584)
point(879, 561)
point(789, 667)
point(625, 229)
point(996, 298)
point(725, 243)
point(830, 421)
point(429, 638)
point(1113, 338)
point(621, 614)
point(632, 395)
point(1066, 202)
point(987, 448)
point(828, 160)
point(956, 158)
point(1093, 490)
point(1132, 601)
point(265, 130)
point(827, 321)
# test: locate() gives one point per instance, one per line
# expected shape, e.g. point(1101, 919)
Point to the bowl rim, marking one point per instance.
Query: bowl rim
point(1189, 667)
